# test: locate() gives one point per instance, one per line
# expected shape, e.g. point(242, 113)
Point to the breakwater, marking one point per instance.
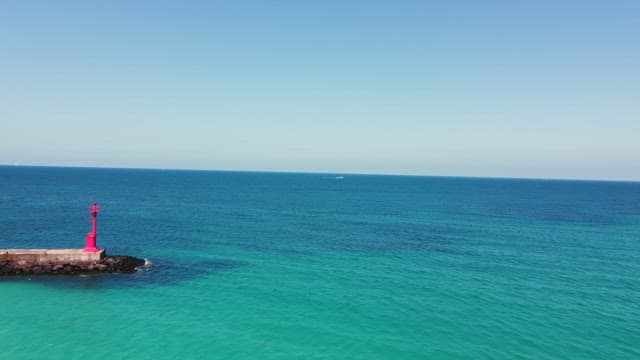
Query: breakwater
point(64, 262)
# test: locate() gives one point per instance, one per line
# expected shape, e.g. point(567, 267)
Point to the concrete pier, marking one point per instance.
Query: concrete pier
point(42, 256)
point(64, 262)
point(91, 259)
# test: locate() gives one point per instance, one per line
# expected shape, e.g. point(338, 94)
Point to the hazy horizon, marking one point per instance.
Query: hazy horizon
point(330, 173)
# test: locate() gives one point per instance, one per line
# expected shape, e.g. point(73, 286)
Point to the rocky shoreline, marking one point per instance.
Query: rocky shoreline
point(109, 264)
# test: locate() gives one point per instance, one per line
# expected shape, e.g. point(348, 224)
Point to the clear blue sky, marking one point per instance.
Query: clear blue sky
point(545, 89)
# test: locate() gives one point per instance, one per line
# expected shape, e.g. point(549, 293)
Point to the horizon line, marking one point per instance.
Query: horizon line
point(318, 172)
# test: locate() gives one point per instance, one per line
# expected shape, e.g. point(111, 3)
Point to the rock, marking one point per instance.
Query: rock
point(126, 264)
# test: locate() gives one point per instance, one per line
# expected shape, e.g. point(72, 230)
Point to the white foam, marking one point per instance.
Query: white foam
point(146, 266)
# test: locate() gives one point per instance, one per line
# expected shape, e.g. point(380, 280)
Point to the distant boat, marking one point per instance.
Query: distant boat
point(339, 177)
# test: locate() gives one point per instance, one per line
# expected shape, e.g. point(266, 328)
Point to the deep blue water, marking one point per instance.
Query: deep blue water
point(280, 265)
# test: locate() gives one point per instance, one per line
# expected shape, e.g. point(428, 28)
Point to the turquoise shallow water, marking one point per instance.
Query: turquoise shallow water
point(278, 266)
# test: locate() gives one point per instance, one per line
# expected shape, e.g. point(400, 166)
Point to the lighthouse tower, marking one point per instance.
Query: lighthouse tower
point(91, 237)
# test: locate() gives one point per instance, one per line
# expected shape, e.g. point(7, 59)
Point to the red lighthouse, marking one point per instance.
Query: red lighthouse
point(91, 237)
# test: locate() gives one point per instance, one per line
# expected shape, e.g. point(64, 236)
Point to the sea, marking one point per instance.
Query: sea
point(258, 265)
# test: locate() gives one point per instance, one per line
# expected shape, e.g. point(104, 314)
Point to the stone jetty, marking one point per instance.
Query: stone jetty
point(91, 259)
point(64, 262)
